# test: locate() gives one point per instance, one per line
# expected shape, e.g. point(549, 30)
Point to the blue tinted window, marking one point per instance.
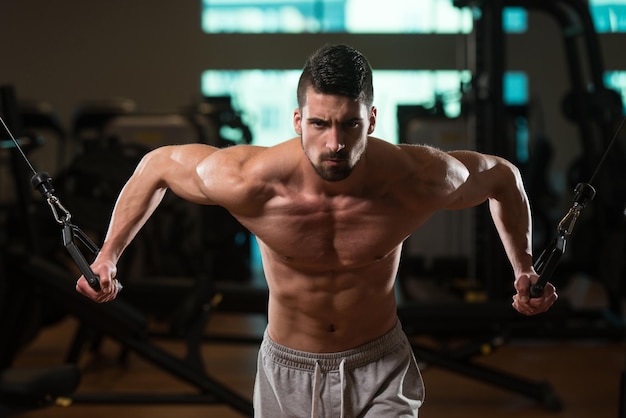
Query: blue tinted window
point(352, 16)
point(515, 20)
point(515, 88)
point(608, 15)
point(267, 98)
point(515, 92)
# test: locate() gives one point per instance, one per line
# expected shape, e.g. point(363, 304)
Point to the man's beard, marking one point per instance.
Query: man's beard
point(333, 172)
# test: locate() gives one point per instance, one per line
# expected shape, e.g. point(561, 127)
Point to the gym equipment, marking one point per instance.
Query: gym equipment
point(595, 112)
point(117, 320)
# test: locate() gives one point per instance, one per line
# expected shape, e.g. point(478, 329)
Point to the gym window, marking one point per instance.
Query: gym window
point(608, 15)
point(373, 16)
point(350, 16)
point(265, 98)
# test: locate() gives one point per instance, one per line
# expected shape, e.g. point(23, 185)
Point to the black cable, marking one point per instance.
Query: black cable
point(549, 258)
point(608, 148)
point(42, 182)
point(17, 145)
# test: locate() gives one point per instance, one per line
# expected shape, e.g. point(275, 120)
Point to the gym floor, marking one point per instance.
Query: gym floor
point(584, 374)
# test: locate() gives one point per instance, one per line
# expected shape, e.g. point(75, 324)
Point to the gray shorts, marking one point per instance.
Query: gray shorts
point(377, 379)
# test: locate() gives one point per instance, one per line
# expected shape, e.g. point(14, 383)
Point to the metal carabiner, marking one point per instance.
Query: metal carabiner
point(56, 207)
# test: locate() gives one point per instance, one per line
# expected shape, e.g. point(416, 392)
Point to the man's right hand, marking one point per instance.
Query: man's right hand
point(108, 284)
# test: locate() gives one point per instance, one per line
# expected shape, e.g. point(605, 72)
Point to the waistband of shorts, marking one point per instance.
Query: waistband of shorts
point(354, 358)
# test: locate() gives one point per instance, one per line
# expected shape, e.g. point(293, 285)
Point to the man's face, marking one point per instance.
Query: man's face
point(334, 131)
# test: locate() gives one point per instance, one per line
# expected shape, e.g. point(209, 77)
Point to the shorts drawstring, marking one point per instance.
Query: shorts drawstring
point(342, 373)
point(315, 397)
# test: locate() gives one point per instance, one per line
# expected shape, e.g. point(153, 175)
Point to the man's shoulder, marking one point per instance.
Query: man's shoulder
point(247, 152)
point(255, 165)
point(424, 151)
point(426, 158)
point(429, 169)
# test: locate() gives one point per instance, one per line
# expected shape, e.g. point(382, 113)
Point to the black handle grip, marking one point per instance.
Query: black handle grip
point(92, 279)
point(536, 290)
point(546, 264)
point(79, 259)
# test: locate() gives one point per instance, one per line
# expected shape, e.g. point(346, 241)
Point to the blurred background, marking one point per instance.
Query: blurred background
point(88, 88)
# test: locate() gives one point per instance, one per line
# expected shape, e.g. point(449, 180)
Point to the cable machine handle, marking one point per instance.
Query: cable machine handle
point(43, 183)
point(546, 264)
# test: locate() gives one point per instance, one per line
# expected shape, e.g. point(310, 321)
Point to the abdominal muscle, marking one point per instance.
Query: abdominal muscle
point(330, 310)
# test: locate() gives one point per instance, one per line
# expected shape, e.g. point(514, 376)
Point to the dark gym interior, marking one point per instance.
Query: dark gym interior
point(84, 87)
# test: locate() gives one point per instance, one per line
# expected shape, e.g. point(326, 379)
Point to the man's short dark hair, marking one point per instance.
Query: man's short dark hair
point(338, 70)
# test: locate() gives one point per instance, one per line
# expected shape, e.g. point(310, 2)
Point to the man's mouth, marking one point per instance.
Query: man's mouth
point(335, 158)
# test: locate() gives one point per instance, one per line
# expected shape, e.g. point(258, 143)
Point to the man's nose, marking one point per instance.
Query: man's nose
point(334, 141)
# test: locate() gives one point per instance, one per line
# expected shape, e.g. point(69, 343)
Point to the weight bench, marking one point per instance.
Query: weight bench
point(121, 322)
point(23, 389)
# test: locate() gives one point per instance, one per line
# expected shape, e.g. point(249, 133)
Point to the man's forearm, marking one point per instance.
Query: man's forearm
point(137, 201)
point(511, 214)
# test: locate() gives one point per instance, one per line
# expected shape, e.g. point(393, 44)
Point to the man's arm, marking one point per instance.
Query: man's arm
point(173, 167)
point(499, 181)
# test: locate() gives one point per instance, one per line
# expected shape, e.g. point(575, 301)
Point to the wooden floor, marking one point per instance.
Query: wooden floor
point(585, 376)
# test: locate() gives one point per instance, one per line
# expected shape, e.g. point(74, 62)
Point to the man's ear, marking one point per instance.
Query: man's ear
point(297, 121)
point(370, 129)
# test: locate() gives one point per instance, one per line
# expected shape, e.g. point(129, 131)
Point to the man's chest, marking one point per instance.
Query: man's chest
point(344, 231)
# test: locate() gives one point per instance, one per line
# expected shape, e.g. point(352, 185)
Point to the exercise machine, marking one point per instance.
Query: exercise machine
point(117, 320)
